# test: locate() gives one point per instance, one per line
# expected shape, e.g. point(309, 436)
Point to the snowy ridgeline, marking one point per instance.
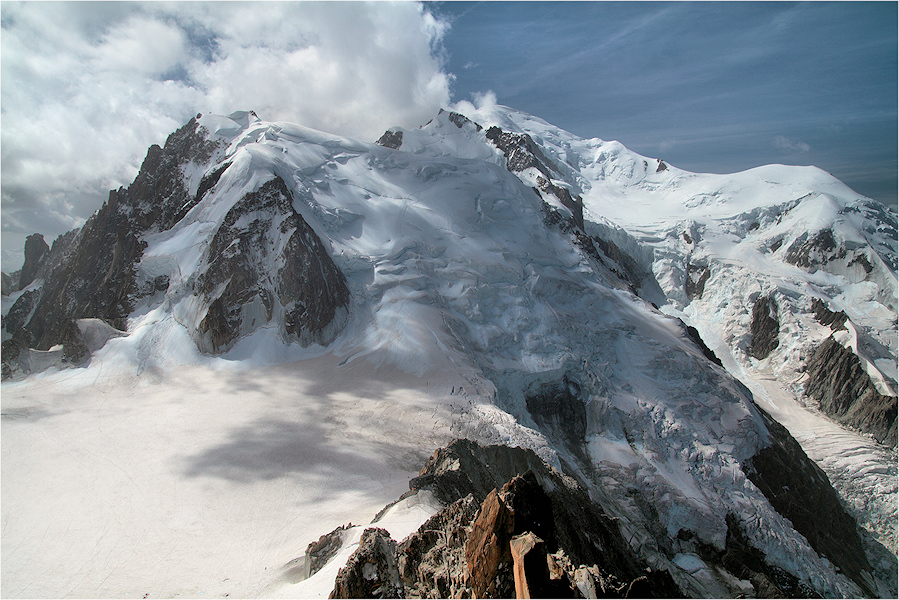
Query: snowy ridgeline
point(481, 303)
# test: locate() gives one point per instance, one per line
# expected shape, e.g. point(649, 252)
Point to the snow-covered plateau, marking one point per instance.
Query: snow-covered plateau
point(269, 332)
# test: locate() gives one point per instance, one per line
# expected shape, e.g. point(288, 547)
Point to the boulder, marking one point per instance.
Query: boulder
point(371, 570)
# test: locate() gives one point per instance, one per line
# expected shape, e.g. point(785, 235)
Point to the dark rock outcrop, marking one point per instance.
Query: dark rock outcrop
point(35, 251)
point(319, 552)
point(431, 561)
point(8, 287)
point(697, 276)
point(517, 493)
point(764, 328)
point(520, 151)
point(557, 406)
point(844, 390)
point(825, 316)
point(747, 563)
point(264, 261)
point(260, 232)
point(371, 570)
point(814, 251)
point(693, 333)
point(575, 205)
point(790, 480)
point(459, 120)
point(92, 273)
point(540, 533)
point(391, 139)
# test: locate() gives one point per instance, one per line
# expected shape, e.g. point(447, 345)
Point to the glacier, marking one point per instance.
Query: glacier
point(164, 469)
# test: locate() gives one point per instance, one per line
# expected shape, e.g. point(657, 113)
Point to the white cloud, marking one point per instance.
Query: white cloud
point(790, 146)
point(480, 109)
point(87, 87)
point(141, 47)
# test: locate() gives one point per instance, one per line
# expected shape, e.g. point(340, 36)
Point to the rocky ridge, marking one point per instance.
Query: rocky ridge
point(263, 263)
point(539, 534)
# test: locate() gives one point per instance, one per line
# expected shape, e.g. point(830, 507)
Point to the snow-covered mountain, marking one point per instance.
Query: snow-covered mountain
point(639, 328)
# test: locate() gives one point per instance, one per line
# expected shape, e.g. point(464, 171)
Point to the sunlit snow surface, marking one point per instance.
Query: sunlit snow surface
point(160, 471)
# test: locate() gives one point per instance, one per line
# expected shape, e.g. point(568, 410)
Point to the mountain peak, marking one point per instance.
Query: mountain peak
point(492, 277)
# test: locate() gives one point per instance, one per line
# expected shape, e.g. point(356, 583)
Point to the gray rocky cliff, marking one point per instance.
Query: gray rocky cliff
point(92, 274)
point(35, 250)
point(845, 391)
point(800, 491)
point(265, 262)
point(764, 328)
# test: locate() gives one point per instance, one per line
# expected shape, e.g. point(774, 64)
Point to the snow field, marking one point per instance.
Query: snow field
point(201, 481)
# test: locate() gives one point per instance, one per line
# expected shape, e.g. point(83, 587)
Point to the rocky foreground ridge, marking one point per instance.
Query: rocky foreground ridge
point(512, 526)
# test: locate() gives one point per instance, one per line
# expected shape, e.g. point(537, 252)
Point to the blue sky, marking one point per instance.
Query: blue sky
point(709, 87)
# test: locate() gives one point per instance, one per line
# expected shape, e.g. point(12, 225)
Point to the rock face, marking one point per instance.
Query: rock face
point(272, 265)
point(432, 561)
point(520, 151)
point(391, 139)
point(815, 250)
point(35, 250)
point(8, 286)
point(263, 262)
point(844, 390)
point(319, 552)
point(91, 274)
point(371, 570)
point(466, 549)
point(708, 352)
point(557, 406)
point(825, 316)
point(697, 276)
point(789, 479)
point(539, 534)
point(764, 329)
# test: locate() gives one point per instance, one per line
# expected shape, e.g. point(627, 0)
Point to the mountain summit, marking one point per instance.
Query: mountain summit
point(651, 345)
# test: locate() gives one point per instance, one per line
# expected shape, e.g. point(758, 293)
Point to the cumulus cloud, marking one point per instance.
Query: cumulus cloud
point(89, 86)
point(480, 109)
point(790, 146)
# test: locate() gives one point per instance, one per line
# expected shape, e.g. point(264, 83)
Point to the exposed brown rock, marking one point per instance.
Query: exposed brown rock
point(319, 552)
point(91, 274)
point(825, 316)
point(431, 561)
point(697, 276)
point(487, 551)
point(391, 139)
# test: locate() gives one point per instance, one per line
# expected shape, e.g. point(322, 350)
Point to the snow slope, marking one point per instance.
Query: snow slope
point(464, 302)
point(742, 226)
